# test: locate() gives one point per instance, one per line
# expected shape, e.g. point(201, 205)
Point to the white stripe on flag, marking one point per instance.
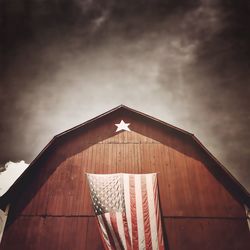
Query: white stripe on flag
point(107, 216)
point(139, 212)
point(151, 208)
point(104, 231)
point(121, 229)
point(127, 202)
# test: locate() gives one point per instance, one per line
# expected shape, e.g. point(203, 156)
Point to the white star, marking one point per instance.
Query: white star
point(122, 126)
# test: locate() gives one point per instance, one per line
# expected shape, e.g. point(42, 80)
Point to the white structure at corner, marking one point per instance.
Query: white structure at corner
point(3, 219)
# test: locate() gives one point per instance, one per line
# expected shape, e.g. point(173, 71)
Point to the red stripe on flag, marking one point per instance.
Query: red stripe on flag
point(157, 213)
point(126, 232)
point(111, 240)
point(146, 219)
point(133, 212)
point(115, 228)
point(101, 232)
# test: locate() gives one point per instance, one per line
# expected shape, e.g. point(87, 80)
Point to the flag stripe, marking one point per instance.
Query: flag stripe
point(157, 213)
point(126, 182)
point(146, 216)
point(111, 240)
point(151, 208)
point(139, 212)
point(127, 236)
point(121, 231)
point(133, 212)
point(111, 222)
point(104, 233)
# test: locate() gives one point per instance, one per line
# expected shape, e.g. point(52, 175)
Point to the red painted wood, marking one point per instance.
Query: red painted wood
point(53, 204)
point(93, 241)
point(207, 234)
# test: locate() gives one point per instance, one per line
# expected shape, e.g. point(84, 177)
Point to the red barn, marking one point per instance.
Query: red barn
point(202, 205)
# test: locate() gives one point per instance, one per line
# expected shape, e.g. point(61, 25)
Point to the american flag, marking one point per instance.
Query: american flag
point(127, 210)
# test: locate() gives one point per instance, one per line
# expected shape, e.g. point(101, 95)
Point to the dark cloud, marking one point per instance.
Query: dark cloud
point(63, 62)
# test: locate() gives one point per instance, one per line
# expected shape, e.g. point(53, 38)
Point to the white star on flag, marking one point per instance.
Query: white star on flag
point(122, 126)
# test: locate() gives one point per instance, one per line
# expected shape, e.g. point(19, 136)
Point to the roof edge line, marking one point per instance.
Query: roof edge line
point(220, 164)
point(88, 121)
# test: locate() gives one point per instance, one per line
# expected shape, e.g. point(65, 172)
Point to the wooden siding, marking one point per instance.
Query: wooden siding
point(54, 206)
point(207, 234)
point(37, 232)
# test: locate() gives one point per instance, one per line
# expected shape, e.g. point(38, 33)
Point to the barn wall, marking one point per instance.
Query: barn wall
point(207, 233)
point(192, 198)
point(51, 233)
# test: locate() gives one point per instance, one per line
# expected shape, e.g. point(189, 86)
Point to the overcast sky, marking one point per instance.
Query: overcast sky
point(184, 62)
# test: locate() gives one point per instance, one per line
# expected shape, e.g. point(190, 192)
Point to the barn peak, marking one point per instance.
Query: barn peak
point(134, 117)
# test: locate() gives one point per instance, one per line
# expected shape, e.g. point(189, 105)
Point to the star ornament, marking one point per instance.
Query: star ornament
point(122, 126)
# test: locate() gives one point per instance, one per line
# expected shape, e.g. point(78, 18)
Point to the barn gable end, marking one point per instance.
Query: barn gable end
point(51, 199)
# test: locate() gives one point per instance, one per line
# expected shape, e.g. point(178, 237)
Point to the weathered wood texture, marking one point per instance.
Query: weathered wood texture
point(37, 232)
point(207, 234)
point(196, 203)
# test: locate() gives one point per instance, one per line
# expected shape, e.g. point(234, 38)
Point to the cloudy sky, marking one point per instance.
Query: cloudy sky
point(63, 62)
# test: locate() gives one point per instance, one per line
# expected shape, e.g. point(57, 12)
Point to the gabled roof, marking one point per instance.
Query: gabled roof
point(238, 188)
